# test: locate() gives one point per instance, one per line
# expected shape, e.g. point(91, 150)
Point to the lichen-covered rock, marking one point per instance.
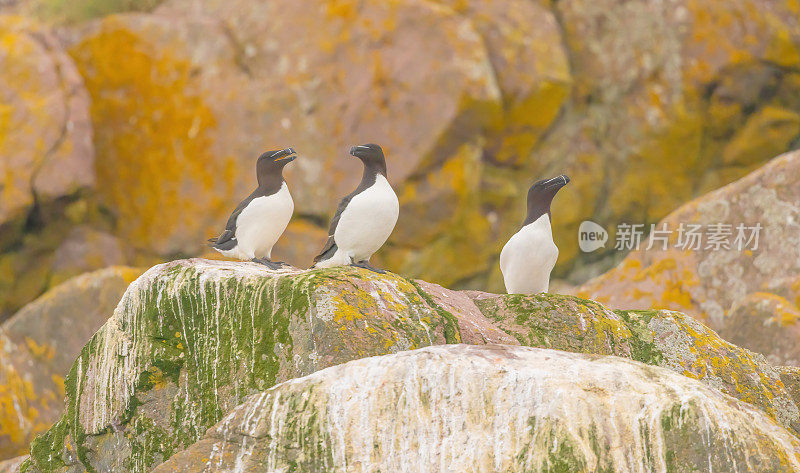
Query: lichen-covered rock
point(20, 407)
point(766, 323)
point(488, 409)
point(57, 325)
point(45, 132)
point(46, 153)
point(710, 283)
point(528, 56)
point(662, 338)
point(191, 339)
point(790, 375)
point(40, 344)
point(155, 122)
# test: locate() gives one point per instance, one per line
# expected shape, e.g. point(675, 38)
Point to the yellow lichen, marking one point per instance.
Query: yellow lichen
point(153, 136)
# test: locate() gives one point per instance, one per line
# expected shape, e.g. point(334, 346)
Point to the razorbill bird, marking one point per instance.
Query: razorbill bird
point(365, 218)
point(529, 256)
point(260, 219)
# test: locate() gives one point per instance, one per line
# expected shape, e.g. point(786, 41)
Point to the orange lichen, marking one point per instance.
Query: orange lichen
point(41, 352)
point(153, 135)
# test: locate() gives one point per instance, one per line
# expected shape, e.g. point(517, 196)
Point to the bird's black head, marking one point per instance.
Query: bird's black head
point(270, 165)
point(371, 155)
point(541, 194)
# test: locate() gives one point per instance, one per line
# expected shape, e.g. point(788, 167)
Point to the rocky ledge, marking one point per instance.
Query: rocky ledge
point(191, 340)
point(488, 409)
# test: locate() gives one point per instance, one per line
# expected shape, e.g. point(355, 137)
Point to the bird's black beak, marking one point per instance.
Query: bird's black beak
point(285, 156)
point(356, 149)
point(556, 182)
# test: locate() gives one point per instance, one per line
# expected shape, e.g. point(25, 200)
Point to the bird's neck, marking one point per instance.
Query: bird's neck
point(270, 183)
point(536, 210)
point(371, 172)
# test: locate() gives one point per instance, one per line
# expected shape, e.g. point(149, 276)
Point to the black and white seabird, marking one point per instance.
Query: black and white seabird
point(260, 219)
point(530, 255)
point(365, 218)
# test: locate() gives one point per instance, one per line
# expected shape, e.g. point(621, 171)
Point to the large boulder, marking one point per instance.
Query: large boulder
point(734, 290)
point(46, 151)
point(191, 339)
point(58, 324)
point(39, 345)
point(489, 409)
point(766, 323)
point(663, 338)
point(45, 130)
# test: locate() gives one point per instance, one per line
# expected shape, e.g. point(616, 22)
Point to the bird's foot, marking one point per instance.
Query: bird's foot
point(366, 265)
point(274, 265)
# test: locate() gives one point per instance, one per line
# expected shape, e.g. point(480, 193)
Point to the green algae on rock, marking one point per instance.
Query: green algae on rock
point(492, 408)
point(190, 339)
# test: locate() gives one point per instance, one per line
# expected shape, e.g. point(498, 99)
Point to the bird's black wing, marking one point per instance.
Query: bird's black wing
point(330, 245)
point(225, 241)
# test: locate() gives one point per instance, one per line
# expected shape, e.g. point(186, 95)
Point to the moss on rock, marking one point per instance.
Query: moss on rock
point(194, 338)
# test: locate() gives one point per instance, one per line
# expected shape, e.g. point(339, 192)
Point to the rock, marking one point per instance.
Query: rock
point(710, 284)
point(41, 343)
point(58, 324)
point(12, 465)
point(19, 410)
point(538, 410)
point(170, 323)
point(662, 338)
point(766, 323)
point(45, 131)
point(527, 53)
point(49, 255)
point(46, 150)
point(84, 250)
point(191, 339)
point(790, 375)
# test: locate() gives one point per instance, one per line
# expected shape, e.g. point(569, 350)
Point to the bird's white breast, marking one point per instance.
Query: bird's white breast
point(262, 222)
point(528, 258)
point(368, 220)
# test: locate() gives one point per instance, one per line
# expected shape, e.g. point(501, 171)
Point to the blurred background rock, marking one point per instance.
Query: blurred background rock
point(129, 129)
